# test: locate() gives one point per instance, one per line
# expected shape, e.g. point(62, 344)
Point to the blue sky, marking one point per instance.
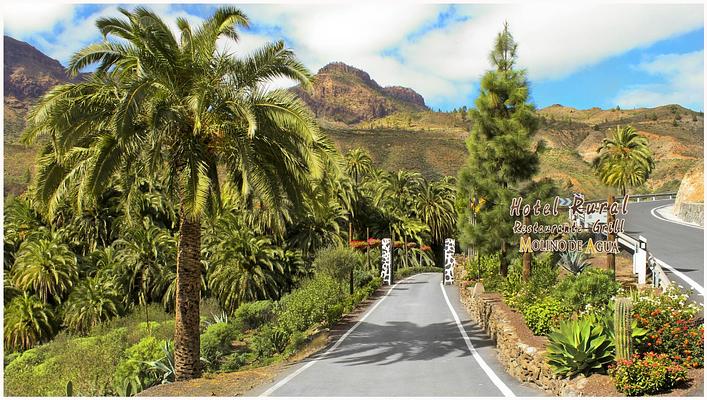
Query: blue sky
point(580, 55)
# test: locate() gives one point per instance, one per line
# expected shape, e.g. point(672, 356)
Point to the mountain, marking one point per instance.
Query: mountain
point(343, 93)
point(28, 74)
point(400, 131)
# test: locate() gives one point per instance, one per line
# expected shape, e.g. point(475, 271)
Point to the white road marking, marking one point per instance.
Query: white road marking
point(660, 217)
point(489, 372)
point(693, 284)
point(338, 342)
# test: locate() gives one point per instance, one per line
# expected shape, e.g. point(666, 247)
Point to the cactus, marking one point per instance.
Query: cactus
point(622, 328)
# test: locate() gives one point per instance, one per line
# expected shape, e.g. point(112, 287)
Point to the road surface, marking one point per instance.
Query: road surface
point(678, 245)
point(407, 344)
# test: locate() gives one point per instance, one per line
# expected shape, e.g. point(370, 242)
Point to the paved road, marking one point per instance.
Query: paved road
point(408, 344)
point(680, 246)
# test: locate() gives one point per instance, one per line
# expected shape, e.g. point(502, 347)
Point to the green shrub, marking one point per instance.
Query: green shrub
point(337, 262)
point(216, 342)
point(255, 314)
point(579, 346)
point(485, 269)
point(593, 288)
point(270, 340)
point(297, 341)
point(233, 362)
point(362, 278)
point(89, 363)
point(312, 304)
point(134, 366)
point(670, 319)
point(647, 374)
point(520, 295)
point(545, 315)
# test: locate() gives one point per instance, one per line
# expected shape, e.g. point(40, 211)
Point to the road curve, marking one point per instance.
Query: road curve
point(680, 246)
point(407, 344)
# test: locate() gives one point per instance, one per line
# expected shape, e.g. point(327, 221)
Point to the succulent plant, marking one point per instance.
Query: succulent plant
point(622, 328)
point(574, 261)
point(579, 346)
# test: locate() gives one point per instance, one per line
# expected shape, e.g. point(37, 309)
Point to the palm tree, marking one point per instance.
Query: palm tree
point(358, 164)
point(434, 206)
point(159, 104)
point(46, 267)
point(28, 321)
point(90, 303)
point(624, 160)
point(244, 267)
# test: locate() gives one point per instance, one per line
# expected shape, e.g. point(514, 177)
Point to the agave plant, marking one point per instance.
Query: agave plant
point(579, 346)
point(165, 365)
point(574, 261)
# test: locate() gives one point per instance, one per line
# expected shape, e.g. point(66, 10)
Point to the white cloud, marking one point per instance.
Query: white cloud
point(554, 39)
point(682, 82)
point(24, 17)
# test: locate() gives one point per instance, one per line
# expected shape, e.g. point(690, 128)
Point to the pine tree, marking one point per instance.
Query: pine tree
point(501, 159)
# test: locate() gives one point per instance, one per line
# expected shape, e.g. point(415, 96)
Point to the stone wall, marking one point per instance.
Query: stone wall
point(691, 212)
point(527, 363)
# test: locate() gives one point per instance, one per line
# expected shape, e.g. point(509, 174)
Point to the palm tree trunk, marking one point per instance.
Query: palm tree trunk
point(503, 264)
point(188, 296)
point(610, 258)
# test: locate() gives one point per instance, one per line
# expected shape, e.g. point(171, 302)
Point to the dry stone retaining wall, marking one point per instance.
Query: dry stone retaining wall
point(527, 363)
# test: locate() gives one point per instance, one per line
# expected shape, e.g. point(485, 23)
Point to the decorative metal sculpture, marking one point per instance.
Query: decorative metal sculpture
point(386, 261)
point(449, 261)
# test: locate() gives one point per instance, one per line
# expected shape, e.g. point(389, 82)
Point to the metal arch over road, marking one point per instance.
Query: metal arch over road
point(678, 245)
point(416, 340)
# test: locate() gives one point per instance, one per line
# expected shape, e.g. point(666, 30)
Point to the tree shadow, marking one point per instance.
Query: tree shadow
point(399, 341)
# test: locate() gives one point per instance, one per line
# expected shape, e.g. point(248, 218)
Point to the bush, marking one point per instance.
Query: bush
point(593, 288)
point(647, 374)
point(233, 362)
point(545, 315)
point(362, 278)
point(297, 341)
point(314, 303)
point(255, 314)
point(485, 270)
point(216, 342)
point(518, 294)
point(579, 346)
point(134, 367)
point(270, 340)
point(671, 324)
point(45, 370)
point(337, 262)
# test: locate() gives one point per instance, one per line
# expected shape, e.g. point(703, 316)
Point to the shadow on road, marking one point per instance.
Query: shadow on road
point(399, 341)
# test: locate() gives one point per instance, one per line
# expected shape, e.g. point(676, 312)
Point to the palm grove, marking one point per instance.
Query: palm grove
point(170, 175)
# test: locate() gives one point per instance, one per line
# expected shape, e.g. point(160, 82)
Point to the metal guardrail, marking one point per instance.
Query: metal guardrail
point(638, 197)
point(659, 278)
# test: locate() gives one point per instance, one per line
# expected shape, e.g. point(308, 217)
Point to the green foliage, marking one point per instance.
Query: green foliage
point(314, 303)
point(27, 322)
point(45, 267)
point(270, 340)
point(545, 315)
point(93, 301)
point(574, 262)
point(164, 367)
point(673, 328)
point(647, 374)
point(485, 270)
point(579, 346)
point(89, 363)
point(403, 273)
point(134, 366)
point(233, 362)
point(624, 160)
point(216, 342)
point(519, 294)
point(337, 262)
point(255, 314)
point(593, 288)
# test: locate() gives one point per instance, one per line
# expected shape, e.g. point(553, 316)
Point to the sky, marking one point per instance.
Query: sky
point(580, 55)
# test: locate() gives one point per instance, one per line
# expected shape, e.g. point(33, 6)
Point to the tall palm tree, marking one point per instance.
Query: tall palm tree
point(45, 267)
point(180, 106)
point(434, 206)
point(624, 160)
point(28, 321)
point(358, 164)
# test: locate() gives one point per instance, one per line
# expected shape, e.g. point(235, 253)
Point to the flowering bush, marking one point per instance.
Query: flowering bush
point(646, 374)
point(425, 248)
point(672, 327)
point(544, 315)
point(374, 242)
point(358, 244)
